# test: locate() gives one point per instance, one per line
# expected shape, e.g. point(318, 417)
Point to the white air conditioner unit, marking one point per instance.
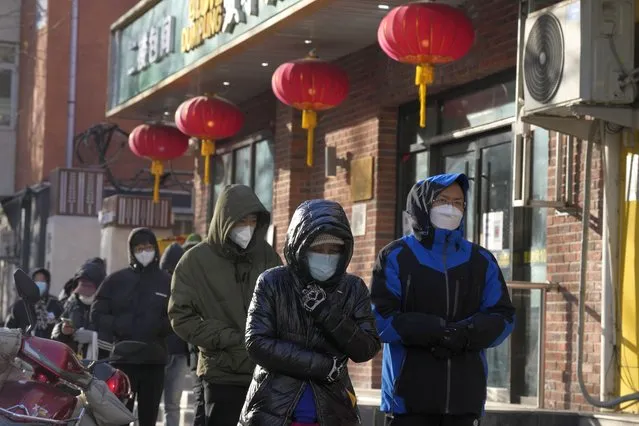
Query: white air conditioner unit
point(578, 52)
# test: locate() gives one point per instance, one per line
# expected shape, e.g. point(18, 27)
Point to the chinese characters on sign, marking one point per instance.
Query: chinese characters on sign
point(207, 18)
point(153, 45)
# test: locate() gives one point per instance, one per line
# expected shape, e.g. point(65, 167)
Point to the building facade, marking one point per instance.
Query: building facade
point(53, 90)
point(380, 152)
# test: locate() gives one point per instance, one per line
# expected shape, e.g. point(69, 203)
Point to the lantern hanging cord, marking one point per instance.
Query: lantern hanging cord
point(157, 170)
point(424, 76)
point(207, 150)
point(309, 122)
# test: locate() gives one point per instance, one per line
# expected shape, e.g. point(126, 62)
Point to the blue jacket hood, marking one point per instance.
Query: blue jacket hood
point(423, 193)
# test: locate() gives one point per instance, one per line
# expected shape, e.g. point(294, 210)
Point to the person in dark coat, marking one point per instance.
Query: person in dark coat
point(45, 312)
point(78, 307)
point(440, 301)
point(131, 304)
point(70, 285)
point(178, 364)
point(305, 321)
point(199, 414)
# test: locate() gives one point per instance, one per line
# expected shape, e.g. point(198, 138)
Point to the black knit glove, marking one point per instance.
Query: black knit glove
point(455, 338)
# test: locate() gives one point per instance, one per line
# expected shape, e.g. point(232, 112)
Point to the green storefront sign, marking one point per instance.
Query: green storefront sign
point(174, 34)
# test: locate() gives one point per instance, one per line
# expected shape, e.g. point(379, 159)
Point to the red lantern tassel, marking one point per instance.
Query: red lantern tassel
point(208, 149)
point(309, 122)
point(424, 76)
point(157, 169)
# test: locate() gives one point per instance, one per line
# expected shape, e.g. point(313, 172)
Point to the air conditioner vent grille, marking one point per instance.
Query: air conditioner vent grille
point(544, 58)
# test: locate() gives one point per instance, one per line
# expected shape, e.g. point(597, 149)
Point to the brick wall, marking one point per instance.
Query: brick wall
point(563, 260)
point(43, 91)
point(366, 124)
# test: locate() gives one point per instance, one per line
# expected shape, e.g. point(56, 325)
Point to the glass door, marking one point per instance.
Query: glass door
point(487, 163)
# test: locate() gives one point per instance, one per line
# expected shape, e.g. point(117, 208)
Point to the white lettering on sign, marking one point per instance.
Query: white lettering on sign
point(153, 45)
point(236, 12)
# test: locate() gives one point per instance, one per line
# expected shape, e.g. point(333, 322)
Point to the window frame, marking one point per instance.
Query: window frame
point(230, 148)
point(13, 69)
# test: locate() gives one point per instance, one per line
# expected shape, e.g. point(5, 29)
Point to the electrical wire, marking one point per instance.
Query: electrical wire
point(107, 142)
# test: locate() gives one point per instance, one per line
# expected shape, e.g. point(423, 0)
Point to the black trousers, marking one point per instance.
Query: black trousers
point(223, 403)
point(147, 385)
point(199, 417)
point(432, 420)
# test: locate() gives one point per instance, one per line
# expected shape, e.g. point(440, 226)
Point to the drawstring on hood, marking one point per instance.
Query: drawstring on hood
point(419, 204)
point(137, 236)
point(311, 219)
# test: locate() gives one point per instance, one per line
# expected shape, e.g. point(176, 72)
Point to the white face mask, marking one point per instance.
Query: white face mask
point(322, 266)
point(242, 235)
point(42, 286)
point(87, 300)
point(446, 217)
point(145, 257)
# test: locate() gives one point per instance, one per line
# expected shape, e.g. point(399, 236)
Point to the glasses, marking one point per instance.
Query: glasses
point(442, 201)
point(143, 247)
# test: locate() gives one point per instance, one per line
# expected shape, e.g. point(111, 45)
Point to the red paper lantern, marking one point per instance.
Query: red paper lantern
point(425, 34)
point(310, 85)
point(209, 118)
point(158, 143)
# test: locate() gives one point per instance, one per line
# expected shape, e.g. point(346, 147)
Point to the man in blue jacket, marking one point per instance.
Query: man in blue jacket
point(440, 301)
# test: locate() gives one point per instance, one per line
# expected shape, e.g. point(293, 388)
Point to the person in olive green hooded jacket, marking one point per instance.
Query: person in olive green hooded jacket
point(211, 291)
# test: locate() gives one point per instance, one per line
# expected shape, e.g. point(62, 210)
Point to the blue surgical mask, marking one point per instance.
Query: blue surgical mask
point(42, 286)
point(322, 266)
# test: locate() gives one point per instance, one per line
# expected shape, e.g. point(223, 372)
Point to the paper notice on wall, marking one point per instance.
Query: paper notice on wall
point(493, 231)
point(358, 220)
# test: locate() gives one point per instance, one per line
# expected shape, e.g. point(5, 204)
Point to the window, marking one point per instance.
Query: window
point(42, 13)
point(8, 84)
point(250, 164)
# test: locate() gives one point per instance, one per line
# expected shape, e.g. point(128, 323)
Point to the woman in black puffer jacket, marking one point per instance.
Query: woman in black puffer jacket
point(305, 321)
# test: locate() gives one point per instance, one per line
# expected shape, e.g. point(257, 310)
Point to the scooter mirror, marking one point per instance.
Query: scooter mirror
point(29, 293)
point(26, 288)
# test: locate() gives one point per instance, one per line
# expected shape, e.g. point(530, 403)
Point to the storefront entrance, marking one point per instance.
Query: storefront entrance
point(513, 235)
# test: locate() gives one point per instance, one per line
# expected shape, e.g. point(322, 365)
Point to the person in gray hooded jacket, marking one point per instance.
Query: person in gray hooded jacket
point(177, 366)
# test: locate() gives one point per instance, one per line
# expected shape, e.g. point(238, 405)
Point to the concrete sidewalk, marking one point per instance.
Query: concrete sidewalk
point(496, 414)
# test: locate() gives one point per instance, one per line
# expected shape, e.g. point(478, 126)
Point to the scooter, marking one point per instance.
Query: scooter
point(42, 382)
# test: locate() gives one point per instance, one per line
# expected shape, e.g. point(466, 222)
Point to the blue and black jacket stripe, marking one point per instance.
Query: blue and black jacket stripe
point(437, 273)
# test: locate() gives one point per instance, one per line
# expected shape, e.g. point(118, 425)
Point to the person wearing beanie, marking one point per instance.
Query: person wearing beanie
point(191, 241)
point(211, 290)
point(131, 304)
point(78, 307)
point(178, 363)
point(305, 321)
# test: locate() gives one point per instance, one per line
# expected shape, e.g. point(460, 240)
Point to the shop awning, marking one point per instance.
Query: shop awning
point(163, 52)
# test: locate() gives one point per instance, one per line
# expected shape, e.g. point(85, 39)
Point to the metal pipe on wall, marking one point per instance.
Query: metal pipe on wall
point(73, 65)
point(610, 262)
point(581, 313)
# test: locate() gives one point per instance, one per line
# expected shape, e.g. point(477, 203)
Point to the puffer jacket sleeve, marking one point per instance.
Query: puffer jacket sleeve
point(210, 333)
point(274, 354)
point(356, 335)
